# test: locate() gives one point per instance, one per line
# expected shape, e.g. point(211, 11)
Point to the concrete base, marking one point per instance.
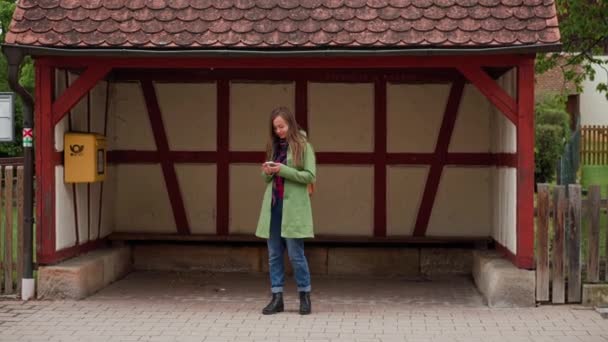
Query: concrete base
point(501, 283)
point(595, 295)
point(438, 261)
point(322, 260)
point(180, 257)
point(82, 276)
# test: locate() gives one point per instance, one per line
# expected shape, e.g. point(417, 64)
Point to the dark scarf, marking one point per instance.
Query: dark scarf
point(280, 156)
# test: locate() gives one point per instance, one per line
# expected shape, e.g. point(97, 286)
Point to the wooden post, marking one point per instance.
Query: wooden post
point(593, 237)
point(542, 247)
point(560, 209)
point(574, 243)
point(525, 163)
point(19, 226)
point(8, 229)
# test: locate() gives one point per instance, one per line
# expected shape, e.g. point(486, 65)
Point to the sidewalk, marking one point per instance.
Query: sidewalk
point(154, 306)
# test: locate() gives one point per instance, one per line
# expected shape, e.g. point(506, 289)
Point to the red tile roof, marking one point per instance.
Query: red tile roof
point(196, 24)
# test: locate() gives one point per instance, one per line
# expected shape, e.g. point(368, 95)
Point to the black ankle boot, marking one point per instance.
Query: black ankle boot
point(304, 303)
point(275, 305)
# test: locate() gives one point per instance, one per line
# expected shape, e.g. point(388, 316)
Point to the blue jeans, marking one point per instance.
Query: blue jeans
point(295, 250)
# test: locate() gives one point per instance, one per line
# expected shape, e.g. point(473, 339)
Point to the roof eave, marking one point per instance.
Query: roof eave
point(309, 52)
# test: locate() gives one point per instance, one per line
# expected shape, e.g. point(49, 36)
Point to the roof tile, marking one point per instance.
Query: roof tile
point(187, 24)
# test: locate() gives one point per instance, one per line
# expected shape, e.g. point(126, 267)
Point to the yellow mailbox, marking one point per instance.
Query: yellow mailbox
point(84, 157)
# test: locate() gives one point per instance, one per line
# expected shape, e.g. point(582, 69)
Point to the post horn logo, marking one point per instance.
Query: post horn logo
point(76, 150)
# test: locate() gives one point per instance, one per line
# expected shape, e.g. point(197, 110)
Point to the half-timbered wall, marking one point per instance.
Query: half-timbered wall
point(394, 159)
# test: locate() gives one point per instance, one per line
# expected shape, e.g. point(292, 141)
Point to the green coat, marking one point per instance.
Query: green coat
point(297, 211)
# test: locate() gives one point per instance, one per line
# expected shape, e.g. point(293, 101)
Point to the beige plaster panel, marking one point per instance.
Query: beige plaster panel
point(141, 201)
point(64, 210)
point(79, 112)
point(414, 115)
point(405, 186)
point(94, 215)
point(98, 107)
point(197, 186)
point(189, 114)
point(463, 204)
point(83, 212)
point(250, 108)
point(472, 126)
point(108, 216)
point(504, 191)
point(503, 130)
point(65, 235)
point(128, 121)
point(246, 192)
point(62, 126)
point(341, 116)
point(343, 200)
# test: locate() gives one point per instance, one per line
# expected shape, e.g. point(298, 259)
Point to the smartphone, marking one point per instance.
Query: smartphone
point(271, 163)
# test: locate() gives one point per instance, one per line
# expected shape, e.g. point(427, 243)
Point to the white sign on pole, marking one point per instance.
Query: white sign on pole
point(7, 115)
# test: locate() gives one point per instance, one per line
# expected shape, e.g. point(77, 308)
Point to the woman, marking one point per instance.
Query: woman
point(286, 214)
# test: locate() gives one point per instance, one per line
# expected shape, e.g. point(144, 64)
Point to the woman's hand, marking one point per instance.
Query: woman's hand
point(276, 168)
point(266, 169)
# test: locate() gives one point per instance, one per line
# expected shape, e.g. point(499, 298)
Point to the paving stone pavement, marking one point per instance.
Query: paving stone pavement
point(170, 306)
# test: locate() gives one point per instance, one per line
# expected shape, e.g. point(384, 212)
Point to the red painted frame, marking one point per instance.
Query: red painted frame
point(162, 147)
point(525, 164)
point(45, 166)
point(520, 112)
point(440, 157)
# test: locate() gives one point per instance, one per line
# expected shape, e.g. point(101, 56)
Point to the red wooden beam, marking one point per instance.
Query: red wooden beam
point(380, 158)
point(246, 157)
point(70, 252)
point(133, 157)
point(441, 154)
point(78, 89)
point(482, 159)
point(45, 166)
point(223, 158)
point(491, 90)
point(171, 182)
point(74, 194)
point(410, 158)
point(525, 165)
point(344, 62)
point(410, 75)
point(352, 158)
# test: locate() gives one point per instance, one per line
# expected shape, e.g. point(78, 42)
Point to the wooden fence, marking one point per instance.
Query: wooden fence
point(11, 214)
point(562, 240)
point(594, 145)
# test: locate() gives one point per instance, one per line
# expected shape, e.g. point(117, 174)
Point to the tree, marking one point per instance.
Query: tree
point(584, 33)
point(26, 78)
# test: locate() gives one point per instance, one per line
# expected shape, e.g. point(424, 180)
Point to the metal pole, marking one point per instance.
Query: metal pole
point(15, 57)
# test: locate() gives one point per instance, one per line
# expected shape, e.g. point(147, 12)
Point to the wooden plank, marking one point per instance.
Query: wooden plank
point(542, 247)
point(20, 241)
point(481, 241)
point(592, 144)
point(593, 236)
point(558, 295)
point(574, 243)
point(583, 146)
point(8, 229)
point(603, 206)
